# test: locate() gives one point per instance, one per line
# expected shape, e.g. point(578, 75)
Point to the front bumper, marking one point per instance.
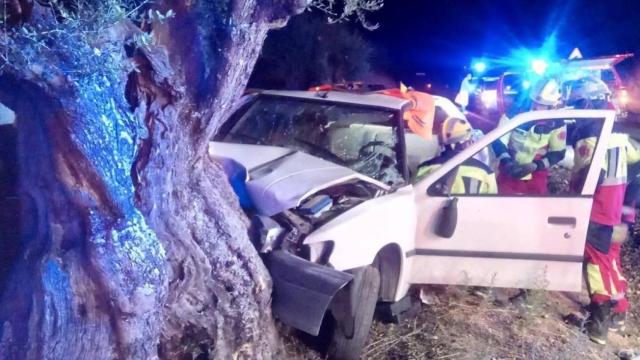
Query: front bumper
point(302, 290)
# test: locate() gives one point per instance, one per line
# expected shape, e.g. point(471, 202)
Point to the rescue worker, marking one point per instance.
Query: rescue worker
point(622, 232)
point(604, 280)
point(472, 176)
point(533, 148)
point(466, 88)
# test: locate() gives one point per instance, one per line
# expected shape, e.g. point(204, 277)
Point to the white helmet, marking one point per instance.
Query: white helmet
point(546, 92)
point(588, 88)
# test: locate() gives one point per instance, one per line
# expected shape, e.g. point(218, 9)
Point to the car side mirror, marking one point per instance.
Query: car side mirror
point(448, 219)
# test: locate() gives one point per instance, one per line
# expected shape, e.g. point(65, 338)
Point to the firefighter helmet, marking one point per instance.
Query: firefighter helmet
point(587, 92)
point(546, 92)
point(455, 131)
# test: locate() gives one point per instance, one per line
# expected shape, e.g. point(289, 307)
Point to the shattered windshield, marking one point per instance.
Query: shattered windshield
point(363, 139)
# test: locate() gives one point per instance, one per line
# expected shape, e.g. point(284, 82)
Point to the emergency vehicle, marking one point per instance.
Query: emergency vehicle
point(502, 90)
point(328, 180)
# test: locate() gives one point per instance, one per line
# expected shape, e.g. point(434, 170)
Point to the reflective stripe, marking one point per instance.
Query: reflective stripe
point(614, 291)
point(546, 163)
point(594, 277)
point(612, 161)
point(615, 166)
point(472, 185)
point(469, 180)
point(467, 184)
point(618, 272)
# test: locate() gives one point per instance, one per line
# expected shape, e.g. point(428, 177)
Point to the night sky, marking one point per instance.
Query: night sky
point(440, 37)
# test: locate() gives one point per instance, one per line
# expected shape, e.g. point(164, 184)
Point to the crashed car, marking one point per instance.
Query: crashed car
point(328, 179)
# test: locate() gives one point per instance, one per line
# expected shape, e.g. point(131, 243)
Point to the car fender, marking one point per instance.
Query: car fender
point(360, 233)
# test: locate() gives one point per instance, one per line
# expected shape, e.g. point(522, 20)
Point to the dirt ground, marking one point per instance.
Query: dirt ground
point(462, 325)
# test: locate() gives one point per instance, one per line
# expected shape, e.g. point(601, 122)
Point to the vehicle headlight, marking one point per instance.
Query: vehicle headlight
point(489, 98)
point(266, 233)
point(623, 97)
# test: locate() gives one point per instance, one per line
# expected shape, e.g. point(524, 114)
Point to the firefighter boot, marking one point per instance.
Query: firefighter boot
point(617, 321)
point(598, 322)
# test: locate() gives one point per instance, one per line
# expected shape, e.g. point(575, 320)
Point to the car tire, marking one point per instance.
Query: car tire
point(353, 314)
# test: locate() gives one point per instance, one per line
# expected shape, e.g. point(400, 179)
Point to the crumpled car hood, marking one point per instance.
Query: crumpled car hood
point(280, 178)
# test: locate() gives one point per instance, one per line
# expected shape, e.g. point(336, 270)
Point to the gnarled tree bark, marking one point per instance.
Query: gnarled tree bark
point(134, 246)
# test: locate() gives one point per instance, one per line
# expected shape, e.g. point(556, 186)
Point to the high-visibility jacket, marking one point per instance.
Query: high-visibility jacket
point(471, 177)
point(608, 198)
point(543, 143)
point(632, 194)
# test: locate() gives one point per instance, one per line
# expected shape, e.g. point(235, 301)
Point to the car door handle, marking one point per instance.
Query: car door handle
point(561, 220)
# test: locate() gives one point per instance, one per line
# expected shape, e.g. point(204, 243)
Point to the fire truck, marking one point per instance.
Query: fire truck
point(496, 91)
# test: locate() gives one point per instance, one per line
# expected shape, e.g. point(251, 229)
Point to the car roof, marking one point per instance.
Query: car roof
point(368, 99)
point(600, 63)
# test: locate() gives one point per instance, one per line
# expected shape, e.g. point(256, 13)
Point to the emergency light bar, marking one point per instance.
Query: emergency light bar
point(479, 67)
point(539, 66)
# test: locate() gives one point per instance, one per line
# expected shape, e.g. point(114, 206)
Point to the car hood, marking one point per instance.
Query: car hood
point(278, 178)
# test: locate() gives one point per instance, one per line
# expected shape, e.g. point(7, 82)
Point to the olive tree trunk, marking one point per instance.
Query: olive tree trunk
point(133, 244)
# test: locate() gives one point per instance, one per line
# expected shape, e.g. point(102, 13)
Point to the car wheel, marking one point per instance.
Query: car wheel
point(353, 314)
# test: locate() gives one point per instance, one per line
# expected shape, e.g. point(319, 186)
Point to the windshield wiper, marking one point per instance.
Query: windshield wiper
point(268, 164)
point(321, 150)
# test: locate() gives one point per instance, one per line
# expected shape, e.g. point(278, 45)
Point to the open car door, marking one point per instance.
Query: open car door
point(516, 241)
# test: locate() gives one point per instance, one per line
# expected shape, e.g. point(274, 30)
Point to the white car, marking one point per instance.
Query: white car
point(328, 180)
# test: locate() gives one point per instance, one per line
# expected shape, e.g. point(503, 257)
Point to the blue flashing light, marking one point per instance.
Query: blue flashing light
point(539, 66)
point(526, 84)
point(479, 67)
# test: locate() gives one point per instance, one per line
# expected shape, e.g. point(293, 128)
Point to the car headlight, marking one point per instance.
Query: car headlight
point(266, 233)
point(623, 97)
point(489, 98)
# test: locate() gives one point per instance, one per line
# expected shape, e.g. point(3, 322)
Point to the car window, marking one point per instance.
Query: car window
point(420, 150)
point(608, 76)
point(364, 139)
point(515, 94)
point(539, 158)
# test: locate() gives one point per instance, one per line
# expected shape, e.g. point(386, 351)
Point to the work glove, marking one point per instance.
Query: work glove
point(629, 215)
point(516, 170)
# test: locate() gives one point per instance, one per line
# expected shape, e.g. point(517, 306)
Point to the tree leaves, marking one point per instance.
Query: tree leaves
point(350, 8)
